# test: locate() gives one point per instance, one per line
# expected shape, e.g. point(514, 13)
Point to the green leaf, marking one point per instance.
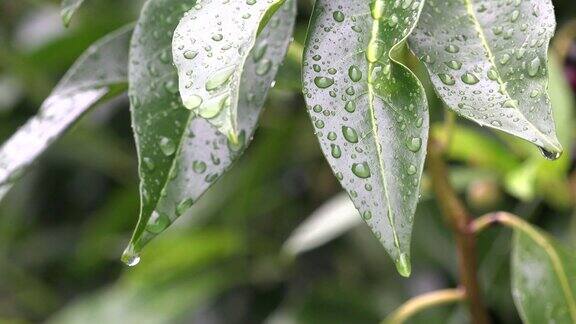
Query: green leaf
point(335, 217)
point(488, 63)
point(543, 282)
point(536, 176)
point(469, 145)
point(98, 74)
point(68, 9)
point(215, 45)
point(180, 154)
point(369, 111)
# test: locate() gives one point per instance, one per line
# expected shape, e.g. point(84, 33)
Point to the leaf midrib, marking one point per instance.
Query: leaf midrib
point(382, 167)
point(491, 57)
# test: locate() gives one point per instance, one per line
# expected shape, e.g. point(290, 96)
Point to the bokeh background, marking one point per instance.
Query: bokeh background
point(63, 227)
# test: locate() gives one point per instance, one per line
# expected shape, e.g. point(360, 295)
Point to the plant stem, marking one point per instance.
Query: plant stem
point(459, 219)
point(424, 301)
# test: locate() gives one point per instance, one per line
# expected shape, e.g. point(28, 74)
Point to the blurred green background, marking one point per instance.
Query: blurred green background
point(63, 227)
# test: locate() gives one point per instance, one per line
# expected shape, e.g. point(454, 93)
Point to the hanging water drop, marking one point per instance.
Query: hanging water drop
point(550, 155)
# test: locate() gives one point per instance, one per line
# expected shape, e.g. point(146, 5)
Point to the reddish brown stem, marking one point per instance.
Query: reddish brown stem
point(458, 217)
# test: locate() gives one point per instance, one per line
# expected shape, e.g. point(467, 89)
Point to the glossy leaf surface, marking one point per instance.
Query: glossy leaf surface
point(488, 63)
point(182, 155)
point(98, 73)
point(543, 282)
point(213, 45)
point(68, 9)
point(369, 111)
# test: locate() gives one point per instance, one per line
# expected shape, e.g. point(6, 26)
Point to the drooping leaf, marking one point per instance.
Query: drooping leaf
point(488, 63)
point(536, 176)
point(180, 154)
point(212, 46)
point(543, 281)
point(68, 9)
point(99, 73)
point(332, 219)
point(369, 111)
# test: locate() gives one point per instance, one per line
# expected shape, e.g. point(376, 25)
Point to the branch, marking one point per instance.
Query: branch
point(422, 302)
point(458, 218)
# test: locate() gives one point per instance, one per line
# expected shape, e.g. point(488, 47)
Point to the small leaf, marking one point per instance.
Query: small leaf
point(68, 9)
point(332, 219)
point(488, 63)
point(182, 155)
point(212, 46)
point(543, 282)
point(369, 111)
point(99, 73)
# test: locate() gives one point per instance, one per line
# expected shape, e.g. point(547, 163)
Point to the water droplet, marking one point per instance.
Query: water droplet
point(534, 66)
point(149, 164)
point(193, 102)
point(403, 265)
point(447, 79)
point(510, 103)
point(263, 67)
point(411, 170)
point(190, 55)
point(183, 206)
point(454, 65)
point(361, 170)
point(469, 78)
point(219, 78)
point(217, 37)
point(323, 82)
point(338, 16)
point(259, 51)
point(367, 215)
point(492, 74)
point(350, 134)
point(157, 223)
point(336, 151)
point(350, 106)
point(354, 73)
point(452, 48)
point(130, 257)
point(199, 166)
point(550, 155)
point(213, 107)
point(167, 146)
point(171, 86)
point(505, 58)
point(414, 144)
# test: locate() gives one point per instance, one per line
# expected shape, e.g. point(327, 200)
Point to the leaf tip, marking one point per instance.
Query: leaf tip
point(403, 265)
point(66, 15)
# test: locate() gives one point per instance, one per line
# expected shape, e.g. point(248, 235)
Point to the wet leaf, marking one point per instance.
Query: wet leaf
point(369, 111)
point(98, 74)
point(180, 154)
point(212, 45)
point(332, 219)
point(488, 63)
point(68, 9)
point(543, 282)
point(539, 177)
